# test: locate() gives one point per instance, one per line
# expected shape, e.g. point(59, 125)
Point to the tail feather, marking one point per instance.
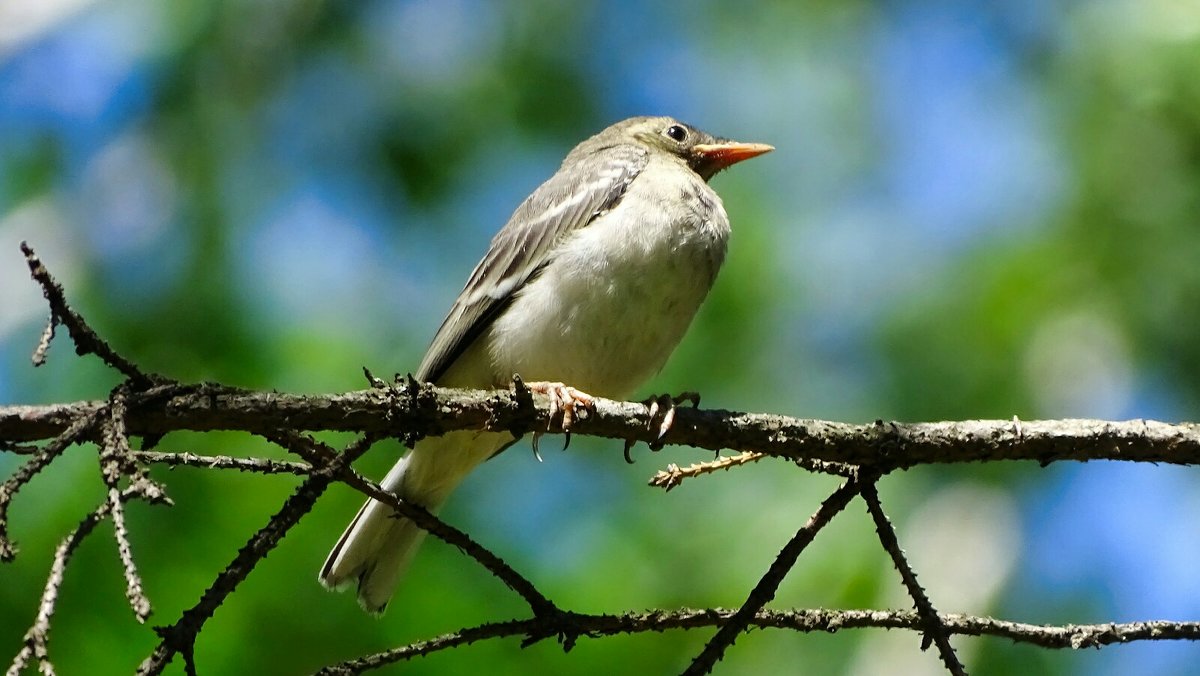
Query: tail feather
point(375, 549)
point(379, 544)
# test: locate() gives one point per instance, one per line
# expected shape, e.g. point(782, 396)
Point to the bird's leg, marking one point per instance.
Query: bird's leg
point(566, 401)
point(666, 404)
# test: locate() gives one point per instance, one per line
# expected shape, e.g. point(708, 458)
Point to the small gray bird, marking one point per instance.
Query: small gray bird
point(591, 283)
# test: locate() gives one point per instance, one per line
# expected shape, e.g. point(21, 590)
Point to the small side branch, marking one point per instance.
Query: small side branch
point(935, 631)
point(765, 590)
point(180, 638)
point(674, 475)
point(83, 427)
point(318, 454)
point(115, 464)
point(255, 465)
point(1073, 637)
point(86, 340)
point(37, 638)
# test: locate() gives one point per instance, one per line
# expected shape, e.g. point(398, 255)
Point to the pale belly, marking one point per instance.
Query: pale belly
point(606, 314)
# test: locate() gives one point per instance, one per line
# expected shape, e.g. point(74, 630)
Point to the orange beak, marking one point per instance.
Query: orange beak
point(721, 155)
point(709, 158)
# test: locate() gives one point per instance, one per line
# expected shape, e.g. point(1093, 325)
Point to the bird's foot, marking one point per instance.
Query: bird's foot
point(661, 408)
point(567, 404)
point(665, 405)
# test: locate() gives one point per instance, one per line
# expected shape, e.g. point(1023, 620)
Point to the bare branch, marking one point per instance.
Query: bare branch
point(180, 638)
point(37, 638)
point(765, 590)
point(43, 346)
point(674, 475)
point(134, 591)
point(256, 465)
point(148, 405)
point(82, 427)
point(115, 463)
point(439, 410)
point(1073, 637)
point(18, 449)
point(934, 629)
point(319, 453)
point(85, 339)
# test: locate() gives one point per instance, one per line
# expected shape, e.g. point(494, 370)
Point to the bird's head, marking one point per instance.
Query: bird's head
point(704, 153)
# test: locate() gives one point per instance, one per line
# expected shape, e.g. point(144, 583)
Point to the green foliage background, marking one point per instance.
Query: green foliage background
point(972, 212)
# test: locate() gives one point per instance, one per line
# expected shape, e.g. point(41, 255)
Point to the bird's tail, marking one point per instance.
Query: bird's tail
point(376, 548)
point(379, 544)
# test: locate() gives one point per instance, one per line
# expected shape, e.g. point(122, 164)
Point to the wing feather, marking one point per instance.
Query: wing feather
point(571, 199)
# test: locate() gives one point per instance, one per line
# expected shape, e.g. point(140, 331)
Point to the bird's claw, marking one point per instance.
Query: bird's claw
point(629, 447)
point(663, 404)
point(666, 404)
point(534, 443)
point(567, 405)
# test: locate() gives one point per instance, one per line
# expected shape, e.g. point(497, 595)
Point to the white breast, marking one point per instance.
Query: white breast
point(617, 295)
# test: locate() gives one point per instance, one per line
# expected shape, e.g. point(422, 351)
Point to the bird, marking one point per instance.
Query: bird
point(585, 292)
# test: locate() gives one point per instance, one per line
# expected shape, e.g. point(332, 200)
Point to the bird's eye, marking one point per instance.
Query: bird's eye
point(676, 133)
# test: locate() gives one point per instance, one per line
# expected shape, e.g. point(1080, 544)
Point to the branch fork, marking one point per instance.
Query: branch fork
point(150, 406)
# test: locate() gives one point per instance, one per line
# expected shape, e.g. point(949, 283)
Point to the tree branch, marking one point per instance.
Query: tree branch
point(180, 637)
point(37, 638)
point(438, 410)
point(150, 406)
point(674, 475)
point(319, 454)
point(765, 590)
point(1073, 637)
point(935, 631)
point(86, 340)
point(83, 426)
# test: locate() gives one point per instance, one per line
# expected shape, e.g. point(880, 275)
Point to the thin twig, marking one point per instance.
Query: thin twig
point(81, 428)
point(37, 638)
point(180, 637)
point(765, 590)
point(256, 465)
point(674, 475)
point(1073, 637)
point(316, 453)
point(86, 340)
point(43, 345)
point(134, 591)
point(115, 464)
point(933, 628)
point(18, 449)
point(443, 642)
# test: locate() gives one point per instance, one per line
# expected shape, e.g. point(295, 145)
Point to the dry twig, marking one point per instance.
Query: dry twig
point(935, 631)
point(674, 475)
point(765, 590)
point(148, 405)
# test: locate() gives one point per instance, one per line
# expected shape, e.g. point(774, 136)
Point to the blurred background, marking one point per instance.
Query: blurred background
point(975, 211)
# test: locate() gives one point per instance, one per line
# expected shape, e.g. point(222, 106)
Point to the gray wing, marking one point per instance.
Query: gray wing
point(569, 200)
